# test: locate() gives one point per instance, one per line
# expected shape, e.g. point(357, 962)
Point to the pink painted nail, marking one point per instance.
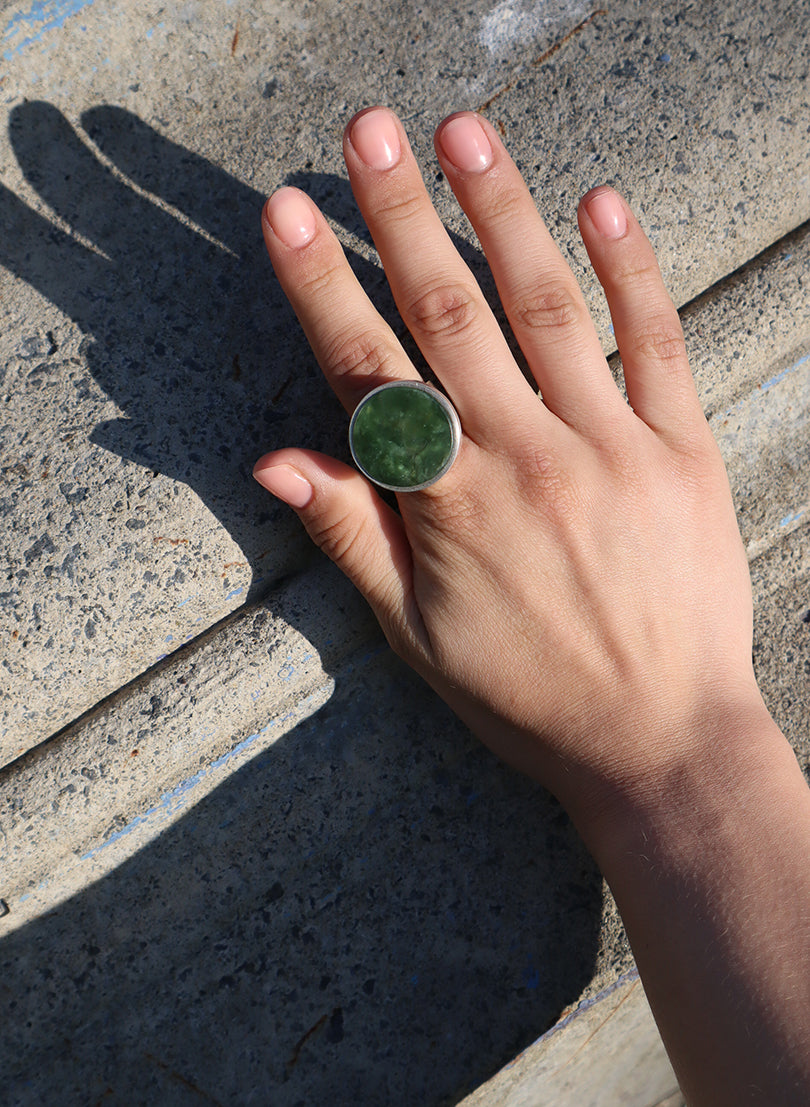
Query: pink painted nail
point(607, 213)
point(286, 483)
point(465, 143)
point(291, 217)
point(375, 137)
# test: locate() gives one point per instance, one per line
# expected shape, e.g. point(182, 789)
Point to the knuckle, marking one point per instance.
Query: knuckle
point(319, 280)
point(337, 537)
point(507, 208)
point(545, 483)
point(546, 308)
point(460, 515)
point(662, 342)
point(447, 310)
point(359, 357)
point(638, 270)
point(399, 207)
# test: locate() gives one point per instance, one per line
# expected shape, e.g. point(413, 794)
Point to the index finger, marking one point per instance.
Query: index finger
point(355, 347)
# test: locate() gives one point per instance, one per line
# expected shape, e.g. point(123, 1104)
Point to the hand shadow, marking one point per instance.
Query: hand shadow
point(348, 919)
point(189, 332)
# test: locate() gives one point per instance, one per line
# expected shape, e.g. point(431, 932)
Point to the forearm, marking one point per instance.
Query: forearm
point(711, 873)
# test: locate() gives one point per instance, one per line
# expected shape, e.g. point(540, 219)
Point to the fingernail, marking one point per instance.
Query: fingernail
point(465, 143)
point(607, 213)
point(375, 137)
point(286, 483)
point(291, 217)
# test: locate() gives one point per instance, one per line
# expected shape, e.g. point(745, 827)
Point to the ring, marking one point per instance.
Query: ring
point(404, 435)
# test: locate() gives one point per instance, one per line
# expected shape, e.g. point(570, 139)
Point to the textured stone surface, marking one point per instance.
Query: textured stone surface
point(605, 1053)
point(147, 355)
point(273, 861)
point(337, 903)
point(391, 913)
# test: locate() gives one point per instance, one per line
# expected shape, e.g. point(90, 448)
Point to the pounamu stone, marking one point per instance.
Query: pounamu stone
point(404, 435)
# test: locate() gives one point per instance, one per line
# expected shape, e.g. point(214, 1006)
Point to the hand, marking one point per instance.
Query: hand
point(575, 587)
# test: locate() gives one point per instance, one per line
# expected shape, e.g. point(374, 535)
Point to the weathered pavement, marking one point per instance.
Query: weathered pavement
point(245, 856)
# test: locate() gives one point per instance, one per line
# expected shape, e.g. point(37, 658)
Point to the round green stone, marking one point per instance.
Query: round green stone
point(404, 435)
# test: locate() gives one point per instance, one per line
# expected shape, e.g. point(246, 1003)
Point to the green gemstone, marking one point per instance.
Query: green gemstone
point(403, 436)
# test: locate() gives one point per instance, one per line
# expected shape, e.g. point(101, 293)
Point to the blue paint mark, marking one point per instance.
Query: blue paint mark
point(785, 373)
point(665, 59)
point(789, 519)
point(44, 15)
point(171, 801)
point(234, 592)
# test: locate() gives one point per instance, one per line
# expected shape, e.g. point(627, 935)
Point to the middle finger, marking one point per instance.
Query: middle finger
point(543, 302)
point(435, 292)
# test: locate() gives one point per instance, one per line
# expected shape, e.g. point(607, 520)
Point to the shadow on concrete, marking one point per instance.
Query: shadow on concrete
point(186, 327)
point(349, 919)
point(320, 929)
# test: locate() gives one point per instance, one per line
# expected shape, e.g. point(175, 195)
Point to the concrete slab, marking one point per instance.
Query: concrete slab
point(147, 357)
point(265, 863)
point(340, 908)
point(605, 1052)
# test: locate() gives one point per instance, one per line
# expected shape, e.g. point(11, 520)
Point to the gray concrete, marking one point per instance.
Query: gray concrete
point(244, 855)
point(604, 1053)
point(147, 356)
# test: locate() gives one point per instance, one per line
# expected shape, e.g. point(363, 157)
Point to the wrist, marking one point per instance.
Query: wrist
point(727, 756)
point(707, 865)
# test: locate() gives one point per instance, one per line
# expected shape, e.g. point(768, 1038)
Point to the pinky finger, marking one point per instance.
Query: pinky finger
point(648, 332)
point(348, 521)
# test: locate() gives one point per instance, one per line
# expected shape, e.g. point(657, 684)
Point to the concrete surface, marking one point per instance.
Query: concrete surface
point(605, 1052)
point(244, 856)
point(147, 356)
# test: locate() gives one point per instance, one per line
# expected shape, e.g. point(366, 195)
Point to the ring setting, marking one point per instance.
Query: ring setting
point(404, 435)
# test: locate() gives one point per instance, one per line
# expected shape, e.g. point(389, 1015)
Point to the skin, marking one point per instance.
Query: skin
point(575, 587)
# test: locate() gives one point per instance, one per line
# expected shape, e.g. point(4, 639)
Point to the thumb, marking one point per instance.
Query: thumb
point(345, 518)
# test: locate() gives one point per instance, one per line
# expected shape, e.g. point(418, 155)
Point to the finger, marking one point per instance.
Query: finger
point(346, 519)
point(435, 292)
point(648, 332)
point(540, 295)
point(355, 347)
